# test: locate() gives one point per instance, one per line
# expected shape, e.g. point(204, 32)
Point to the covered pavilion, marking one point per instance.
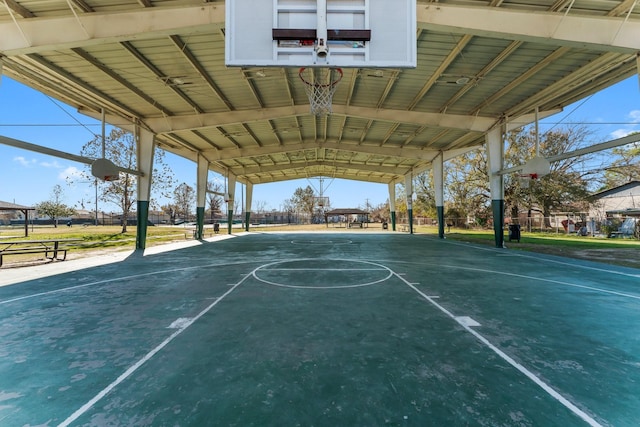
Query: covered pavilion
point(6, 206)
point(158, 69)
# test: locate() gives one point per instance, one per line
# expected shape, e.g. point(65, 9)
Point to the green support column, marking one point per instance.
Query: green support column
point(393, 220)
point(143, 219)
point(498, 220)
point(200, 222)
point(229, 221)
point(440, 210)
point(410, 215)
point(247, 216)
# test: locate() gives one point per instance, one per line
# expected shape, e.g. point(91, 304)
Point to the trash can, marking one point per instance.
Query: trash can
point(514, 232)
point(385, 226)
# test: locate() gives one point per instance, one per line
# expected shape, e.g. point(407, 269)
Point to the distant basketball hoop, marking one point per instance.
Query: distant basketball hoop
point(320, 84)
point(322, 202)
point(105, 170)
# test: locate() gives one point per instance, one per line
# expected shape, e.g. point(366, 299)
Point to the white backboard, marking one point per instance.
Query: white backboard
point(283, 33)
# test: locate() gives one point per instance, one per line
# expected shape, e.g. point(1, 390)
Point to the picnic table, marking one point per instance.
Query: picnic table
point(53, 249)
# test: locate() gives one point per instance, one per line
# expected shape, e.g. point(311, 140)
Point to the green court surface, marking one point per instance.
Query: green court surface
point(344, 329)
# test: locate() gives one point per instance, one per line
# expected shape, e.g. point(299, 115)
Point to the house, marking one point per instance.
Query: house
point(617, 199)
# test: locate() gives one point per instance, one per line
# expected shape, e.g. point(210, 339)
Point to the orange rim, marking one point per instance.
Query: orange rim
point(333, 83)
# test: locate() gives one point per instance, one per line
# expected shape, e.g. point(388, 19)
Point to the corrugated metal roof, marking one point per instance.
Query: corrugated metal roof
point(255, 122)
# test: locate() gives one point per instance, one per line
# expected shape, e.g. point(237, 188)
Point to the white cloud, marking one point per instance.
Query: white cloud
point(634, 116)
point(71, 172)
point(619, 133)
point(53, 164)
point(24, 162)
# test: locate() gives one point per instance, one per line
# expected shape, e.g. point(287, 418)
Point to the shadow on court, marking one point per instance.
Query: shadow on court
point(324, 329)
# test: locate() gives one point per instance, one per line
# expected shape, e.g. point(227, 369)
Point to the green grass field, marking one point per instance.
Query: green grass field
point(622, 252)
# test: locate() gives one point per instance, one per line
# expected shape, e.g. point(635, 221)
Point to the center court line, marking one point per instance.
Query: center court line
point(547, 388)
point(126, 374)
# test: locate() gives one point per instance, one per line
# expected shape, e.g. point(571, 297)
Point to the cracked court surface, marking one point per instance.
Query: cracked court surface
point(323, 329)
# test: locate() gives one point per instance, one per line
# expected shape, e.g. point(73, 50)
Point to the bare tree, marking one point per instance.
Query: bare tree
point(120, 148)
point(214, 201)
point(184, 197)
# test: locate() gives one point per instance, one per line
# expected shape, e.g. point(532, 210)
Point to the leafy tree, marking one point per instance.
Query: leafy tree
point(624, 168)
point(184, 196)
point(120, 148)
point(425, 203)
point(467, 187)
point(304, 200)
point(54, 208)
point(565, 188)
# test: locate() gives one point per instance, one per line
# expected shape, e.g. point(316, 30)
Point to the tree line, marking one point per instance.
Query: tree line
point(466, 179)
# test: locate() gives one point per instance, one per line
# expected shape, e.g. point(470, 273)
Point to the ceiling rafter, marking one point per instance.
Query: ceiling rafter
point(252, 88)
point(604, 33)
point(394, 152)
point(160, 76)
point(496, 61)
point(207, 140)
point(387, 88)
point(68, 80)
point(623, 8)
point(545, 62)
point(114, 76)
point(182, 47)
point(446, 62)
point(82, 6)
point(19, 9)
point(556, 89)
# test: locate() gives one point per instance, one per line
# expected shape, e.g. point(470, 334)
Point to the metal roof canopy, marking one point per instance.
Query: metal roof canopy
point(160, 63)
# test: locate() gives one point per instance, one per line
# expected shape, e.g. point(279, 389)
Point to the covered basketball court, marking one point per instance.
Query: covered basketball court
point(415, 85)
point(322, 329)
point(319, 329)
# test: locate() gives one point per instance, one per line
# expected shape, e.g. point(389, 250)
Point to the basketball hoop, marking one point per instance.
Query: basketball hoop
point(105, 170)
point(322, 202)
point(320, 84)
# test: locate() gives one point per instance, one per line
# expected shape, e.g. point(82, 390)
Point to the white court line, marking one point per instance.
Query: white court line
point(100, 282)
point(544, 259)
point(269, 267)
point(324, 269)
point(547, 388)
point(126, 374)
point(522, 276)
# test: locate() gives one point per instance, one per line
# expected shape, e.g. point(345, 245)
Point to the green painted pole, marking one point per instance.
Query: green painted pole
point(247, 216)
point(143, 218)
point(229, 221)
point(200, 222)
point(440, 210)
point(498, 221)
point(410, 214)
point(393, 220)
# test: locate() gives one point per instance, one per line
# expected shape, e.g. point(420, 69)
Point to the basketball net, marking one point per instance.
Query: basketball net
point(525, 179)
point(320, 84)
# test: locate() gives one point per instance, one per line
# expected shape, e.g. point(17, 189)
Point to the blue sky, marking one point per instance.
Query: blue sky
point(27, 177)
